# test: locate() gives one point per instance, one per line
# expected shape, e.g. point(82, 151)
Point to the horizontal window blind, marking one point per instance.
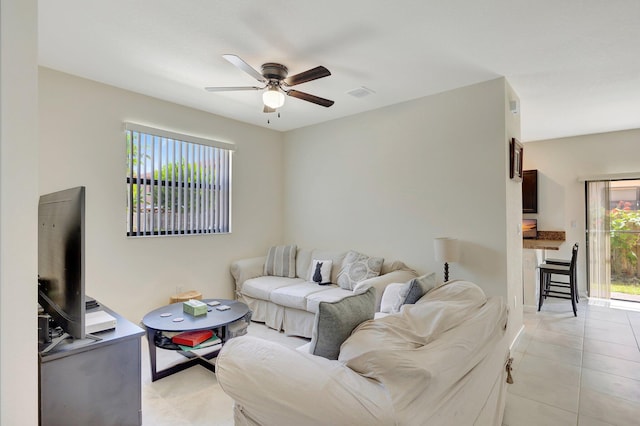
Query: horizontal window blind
point(176, 186)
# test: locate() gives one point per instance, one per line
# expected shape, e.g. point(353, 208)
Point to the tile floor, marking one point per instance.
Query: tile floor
point(192, 397)
point(582, 371)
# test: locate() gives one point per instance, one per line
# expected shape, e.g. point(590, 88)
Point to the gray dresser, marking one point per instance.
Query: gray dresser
point(98, 383)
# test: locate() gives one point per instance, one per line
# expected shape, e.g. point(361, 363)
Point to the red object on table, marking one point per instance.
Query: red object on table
point(192, 338)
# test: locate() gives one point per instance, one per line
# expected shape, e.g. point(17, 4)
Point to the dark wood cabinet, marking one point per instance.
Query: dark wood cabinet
point(530, 191)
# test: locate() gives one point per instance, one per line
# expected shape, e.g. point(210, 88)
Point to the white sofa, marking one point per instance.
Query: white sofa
point(440, 361)
point(290, 304)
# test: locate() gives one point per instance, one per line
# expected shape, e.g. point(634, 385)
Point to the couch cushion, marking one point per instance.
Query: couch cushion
point(440, 310)
point(390, 297)
point(335, 322)
point(281, 261)
point(412, 291)
point(295, 296)
point(333, 294)
point(261, 287)
point(381, 336)
point(303, 259)
point(357, 267)
point(396, 265)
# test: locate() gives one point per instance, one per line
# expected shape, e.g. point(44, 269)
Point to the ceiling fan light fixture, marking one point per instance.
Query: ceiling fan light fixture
point(273, 97)
point(277, 83)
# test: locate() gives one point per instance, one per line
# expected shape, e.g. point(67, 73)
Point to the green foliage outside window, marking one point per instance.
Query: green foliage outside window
point(625, 238)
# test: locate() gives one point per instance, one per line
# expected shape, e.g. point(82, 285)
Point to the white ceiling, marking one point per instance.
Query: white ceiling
point(575, 64)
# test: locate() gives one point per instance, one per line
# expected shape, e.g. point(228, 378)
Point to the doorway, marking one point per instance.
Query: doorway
point(613, 239)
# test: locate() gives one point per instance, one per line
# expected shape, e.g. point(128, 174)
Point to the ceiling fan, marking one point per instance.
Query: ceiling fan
point(277, 84)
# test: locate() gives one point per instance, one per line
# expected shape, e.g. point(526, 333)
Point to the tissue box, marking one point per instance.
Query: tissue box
point(194, 307)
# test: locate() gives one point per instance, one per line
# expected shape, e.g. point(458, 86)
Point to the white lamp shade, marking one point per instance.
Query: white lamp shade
point(273, 98)
point(446, 249)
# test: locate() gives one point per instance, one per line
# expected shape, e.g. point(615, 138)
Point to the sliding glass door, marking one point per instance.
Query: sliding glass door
point(598, 241)
point(613, 239)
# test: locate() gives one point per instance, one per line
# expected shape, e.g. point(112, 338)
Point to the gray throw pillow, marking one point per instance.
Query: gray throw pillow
point(335, 321)
point(281, 261)
point(414, 290)
point(357, 267)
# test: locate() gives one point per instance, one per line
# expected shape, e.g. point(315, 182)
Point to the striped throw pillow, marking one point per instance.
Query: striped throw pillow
point(281, 261)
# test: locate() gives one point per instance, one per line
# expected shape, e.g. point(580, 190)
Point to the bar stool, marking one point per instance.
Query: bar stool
point(559, 289)
point(566, 262)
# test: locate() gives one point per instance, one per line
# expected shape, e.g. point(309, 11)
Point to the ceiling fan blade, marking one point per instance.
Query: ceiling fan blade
point(235, 60)
point(267, 109)
point(231, 89)
point(303, 77)
point(310, 98)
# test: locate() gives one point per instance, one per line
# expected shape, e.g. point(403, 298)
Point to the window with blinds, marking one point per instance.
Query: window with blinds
point(176, 184)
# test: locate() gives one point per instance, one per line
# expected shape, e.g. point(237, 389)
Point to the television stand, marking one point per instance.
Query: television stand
point(96, 382)
point(64, 336)
point(55, 342)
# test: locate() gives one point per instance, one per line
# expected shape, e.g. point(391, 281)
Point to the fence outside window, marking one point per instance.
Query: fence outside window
point(176, 184)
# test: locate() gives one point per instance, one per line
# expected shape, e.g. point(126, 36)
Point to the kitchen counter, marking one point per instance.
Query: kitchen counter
point(541, 244)
point(547, 240)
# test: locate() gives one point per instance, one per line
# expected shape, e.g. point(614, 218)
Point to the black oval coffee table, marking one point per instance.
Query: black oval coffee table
point(171, 318)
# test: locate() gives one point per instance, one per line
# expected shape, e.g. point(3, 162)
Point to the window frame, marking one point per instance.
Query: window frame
point(201, 191)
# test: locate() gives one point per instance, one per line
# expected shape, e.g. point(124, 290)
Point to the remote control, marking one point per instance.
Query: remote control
point(213, 303)
point(223, 307)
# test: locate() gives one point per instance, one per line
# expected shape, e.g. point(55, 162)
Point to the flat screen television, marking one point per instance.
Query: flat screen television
point(61, 267)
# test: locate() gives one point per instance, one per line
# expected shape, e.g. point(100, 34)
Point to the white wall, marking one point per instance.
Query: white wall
point(387, 182)
point(18, 212)
point(513, 223)
point(83, 143)
point(561, 200)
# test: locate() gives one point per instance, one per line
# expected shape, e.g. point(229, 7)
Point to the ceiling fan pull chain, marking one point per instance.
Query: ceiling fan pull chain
point(269, 121)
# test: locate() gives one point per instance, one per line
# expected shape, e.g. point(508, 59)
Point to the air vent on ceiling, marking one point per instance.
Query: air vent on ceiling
point(360, 92)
